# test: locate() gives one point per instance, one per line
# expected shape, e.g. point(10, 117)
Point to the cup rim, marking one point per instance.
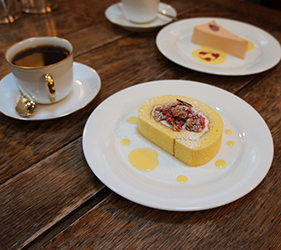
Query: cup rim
point(37, 38)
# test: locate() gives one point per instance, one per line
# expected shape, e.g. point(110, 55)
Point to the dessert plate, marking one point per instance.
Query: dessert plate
point(174, 42)
point(115, 15)
point(86, 86)
point(208, 186)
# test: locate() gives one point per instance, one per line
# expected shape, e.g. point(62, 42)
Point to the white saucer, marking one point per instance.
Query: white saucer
point(86, 86)
point(115, 15)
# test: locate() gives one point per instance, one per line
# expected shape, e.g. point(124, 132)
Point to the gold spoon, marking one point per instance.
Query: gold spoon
point(25, 106)
point(164, 13)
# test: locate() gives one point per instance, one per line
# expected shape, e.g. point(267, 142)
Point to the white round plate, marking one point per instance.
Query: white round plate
point(86, 86)
point(208, 186)
point(174, 42)
point(115, 14)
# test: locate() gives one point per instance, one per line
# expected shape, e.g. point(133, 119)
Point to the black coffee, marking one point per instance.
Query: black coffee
point(40, 56)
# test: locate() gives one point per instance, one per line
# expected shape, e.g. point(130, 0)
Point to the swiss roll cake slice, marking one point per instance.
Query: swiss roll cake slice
point(184, 127)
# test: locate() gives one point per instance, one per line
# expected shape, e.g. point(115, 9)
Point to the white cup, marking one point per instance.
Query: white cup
point(140, 11)
point(43, 84)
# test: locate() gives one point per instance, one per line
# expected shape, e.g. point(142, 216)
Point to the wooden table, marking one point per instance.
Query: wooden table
point(49, 196)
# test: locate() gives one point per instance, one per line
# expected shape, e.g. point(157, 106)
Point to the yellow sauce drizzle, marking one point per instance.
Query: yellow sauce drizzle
point(133, 120)
point(230, 143)
point(228, 131)
point(126, 141)
point(182, 179)
point(212, 56)
point(221, 163)
point(251, 46)
point(144, 159)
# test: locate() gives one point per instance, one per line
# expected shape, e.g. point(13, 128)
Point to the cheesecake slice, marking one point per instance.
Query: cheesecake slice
point(184, 127)
point(214, 36)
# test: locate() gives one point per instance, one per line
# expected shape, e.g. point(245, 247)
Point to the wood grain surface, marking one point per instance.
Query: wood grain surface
point(49, 197)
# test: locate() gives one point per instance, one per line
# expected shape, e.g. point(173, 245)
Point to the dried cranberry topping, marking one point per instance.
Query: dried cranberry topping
point(213, 56)
point(214, 27)
point(180, 115)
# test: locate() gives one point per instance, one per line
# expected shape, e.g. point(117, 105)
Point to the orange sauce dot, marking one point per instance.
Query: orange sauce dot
point(182, 179)
point(228, 131)
point(221, 163)
point(132, 119)
point(251, 46)
point(230, 143)
point(125, 141)
point(144, 159)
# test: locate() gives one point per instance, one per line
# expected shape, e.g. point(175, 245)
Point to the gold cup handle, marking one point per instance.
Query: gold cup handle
point(51, 87)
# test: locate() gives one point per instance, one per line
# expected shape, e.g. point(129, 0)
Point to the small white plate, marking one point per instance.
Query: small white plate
point(86, 86)
point(115, 15)
point(208, 186)
point(174, 42)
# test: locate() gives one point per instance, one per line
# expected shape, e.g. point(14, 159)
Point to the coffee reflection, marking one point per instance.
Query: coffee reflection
point(40, 56)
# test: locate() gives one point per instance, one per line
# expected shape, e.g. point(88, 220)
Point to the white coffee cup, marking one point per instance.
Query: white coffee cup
point(140, 11)
point(43, 84)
